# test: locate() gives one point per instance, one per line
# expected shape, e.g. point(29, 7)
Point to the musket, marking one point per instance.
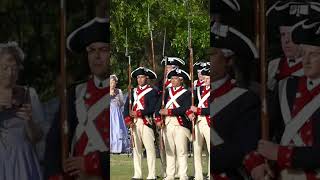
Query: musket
point(63, 95)
point(129, 86)
point(151, 40)
point(261, 44)
point(163, 89)
point(191, 72)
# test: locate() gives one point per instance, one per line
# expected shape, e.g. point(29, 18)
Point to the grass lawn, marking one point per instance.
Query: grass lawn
point(122, 167)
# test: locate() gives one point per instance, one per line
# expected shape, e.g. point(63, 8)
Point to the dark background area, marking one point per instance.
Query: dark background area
point(35, 25)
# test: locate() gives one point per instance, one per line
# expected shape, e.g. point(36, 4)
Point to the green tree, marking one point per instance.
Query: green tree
point(35, 25)
point(172, 15)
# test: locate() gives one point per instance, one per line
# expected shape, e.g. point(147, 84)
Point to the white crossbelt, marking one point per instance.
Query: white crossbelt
point(221, 102)
point(173, 98)
point(216, 139)
point(217, 105)
point(137, 98)
point(292, 127)
point(293, 124)
point(86, 124)
point(202, 100)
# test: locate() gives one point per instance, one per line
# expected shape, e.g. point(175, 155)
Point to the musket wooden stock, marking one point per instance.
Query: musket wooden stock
point(162, 105)
point(63, 96)
point(129, 88)
point(261, 26)
point(130, 103)
point(192, 93)
point(191, 75)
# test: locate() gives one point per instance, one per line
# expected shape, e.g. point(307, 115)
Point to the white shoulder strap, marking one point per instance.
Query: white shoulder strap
point(272, 71)
point(137, 98)
point(202, 100)
point(221, 102)
point(81, 90)
point(285, 109)
point(173, 98)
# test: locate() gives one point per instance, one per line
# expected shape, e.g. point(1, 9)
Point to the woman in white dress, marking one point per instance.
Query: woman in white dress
point(118, 131)
point(20, 112)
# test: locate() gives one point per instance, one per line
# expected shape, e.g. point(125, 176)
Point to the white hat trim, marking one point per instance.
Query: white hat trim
point(146, 70)
point(247, 41)
point(96, 19)
point(233, 4)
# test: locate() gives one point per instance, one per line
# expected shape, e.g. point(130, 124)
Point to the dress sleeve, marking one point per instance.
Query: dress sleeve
point(121, 100)
point(37, 109)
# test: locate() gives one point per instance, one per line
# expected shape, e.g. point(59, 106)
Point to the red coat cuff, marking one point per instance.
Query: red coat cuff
point(252, 160)
point(139, 113)
point(188, 112)
point(56, 177)
point(222, 176)
point(128, 120)
point(157, 119)
point(199, 111)
point(284, 157)
point(92, 163)
point(170, 112)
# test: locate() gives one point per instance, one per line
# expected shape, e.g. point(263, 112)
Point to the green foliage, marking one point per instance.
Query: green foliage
point(35, 25)
point(172, 15)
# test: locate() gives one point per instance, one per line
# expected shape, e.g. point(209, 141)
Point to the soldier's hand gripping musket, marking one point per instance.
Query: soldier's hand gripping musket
point(191, 73)
point(163, 91)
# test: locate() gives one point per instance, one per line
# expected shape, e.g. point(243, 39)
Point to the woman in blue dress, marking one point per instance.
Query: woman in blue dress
point(118, 131)
point(20, 112)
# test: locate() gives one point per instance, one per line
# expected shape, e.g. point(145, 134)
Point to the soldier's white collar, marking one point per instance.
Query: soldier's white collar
point(219, 83)
point(176, 88)
point(312, 83)
point(100, 84)
point(296, 61)
point(143, 87)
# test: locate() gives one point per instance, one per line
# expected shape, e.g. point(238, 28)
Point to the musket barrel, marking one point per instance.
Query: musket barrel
point(63, 96)
point(151, 41)
point(129, 86)
point(261, 26)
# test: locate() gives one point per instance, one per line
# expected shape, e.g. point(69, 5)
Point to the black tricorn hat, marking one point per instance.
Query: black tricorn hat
point(173, 61)
point(178, 72)
point(205, 71)
point(96, 30)
point(144, 71)
point(200, 65)
point(224, 6)
point(307, 32)
point(225, 37)
point(290, 12)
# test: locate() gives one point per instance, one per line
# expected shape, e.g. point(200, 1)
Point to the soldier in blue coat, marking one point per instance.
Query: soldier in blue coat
point(143, 102)
point(294, 115)
point(234, 111)
point(88, 110)
point(176, 132)
point(200, 112)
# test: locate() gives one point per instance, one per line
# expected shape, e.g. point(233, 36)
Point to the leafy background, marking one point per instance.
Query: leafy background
point(35, 25)
point(171, 15)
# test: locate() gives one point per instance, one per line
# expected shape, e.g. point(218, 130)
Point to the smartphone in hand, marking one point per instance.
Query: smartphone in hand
point(21, 95)
point(6, 98)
